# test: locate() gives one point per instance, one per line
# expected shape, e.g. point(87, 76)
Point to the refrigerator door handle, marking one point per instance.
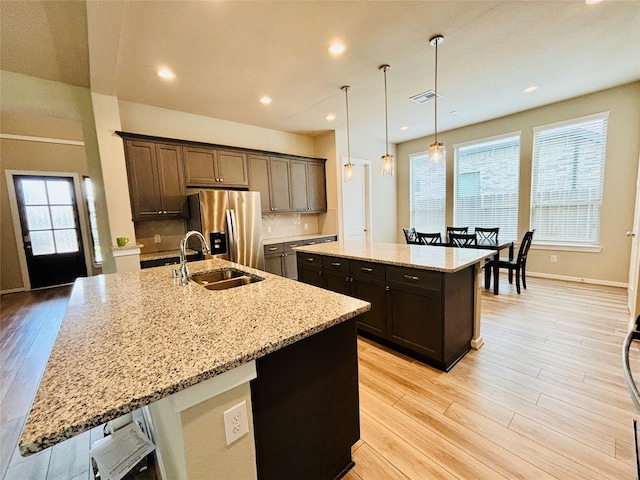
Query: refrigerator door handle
point(233, 235)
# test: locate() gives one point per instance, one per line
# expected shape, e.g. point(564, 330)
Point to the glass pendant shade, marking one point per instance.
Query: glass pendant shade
point(387, 165)
point(348, 172)
point(436, 152)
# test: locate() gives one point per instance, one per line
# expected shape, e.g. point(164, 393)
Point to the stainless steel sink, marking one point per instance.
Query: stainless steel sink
point(224, 279)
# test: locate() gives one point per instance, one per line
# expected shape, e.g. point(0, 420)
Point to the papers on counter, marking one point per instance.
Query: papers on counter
point(119, 452)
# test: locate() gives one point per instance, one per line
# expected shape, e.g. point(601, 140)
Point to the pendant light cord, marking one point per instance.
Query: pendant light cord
point(346, 97)
point(386, 115)
point(436, 99)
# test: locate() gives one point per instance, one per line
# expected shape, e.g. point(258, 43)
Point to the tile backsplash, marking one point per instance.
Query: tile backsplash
point(275, 226)
point(172, 231)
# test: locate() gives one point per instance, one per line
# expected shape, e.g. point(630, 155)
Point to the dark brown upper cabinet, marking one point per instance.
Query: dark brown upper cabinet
point(271, 177)
point(308, 186)
point(208, 167)
point(156, 180)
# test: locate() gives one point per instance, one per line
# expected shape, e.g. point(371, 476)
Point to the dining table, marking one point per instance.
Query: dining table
point(493, 261)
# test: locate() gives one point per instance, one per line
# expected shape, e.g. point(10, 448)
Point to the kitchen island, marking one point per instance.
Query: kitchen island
point(136, 339)
point(425, 300)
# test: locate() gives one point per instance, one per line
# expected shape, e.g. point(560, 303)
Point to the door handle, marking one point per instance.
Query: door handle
point(631, 233)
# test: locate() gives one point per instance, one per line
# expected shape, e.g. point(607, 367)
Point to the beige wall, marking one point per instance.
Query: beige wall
point(42, 108)
point(623, 140)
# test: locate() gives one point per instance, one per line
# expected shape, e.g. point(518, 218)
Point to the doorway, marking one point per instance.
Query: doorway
point(50, 229)
point(356, 203)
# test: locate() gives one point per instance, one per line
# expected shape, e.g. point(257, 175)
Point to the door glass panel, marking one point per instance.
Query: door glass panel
point(59, 192)
point(38, 218)
point(34, 192)
point(42, 243)
point(66, 241)
point(62, 216)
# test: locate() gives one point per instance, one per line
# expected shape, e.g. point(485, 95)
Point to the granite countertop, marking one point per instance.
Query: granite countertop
point(296, 238)
point(165, 254)
point(130, 339)
point(425, 257)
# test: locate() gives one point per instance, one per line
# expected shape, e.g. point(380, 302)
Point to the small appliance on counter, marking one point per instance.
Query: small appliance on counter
point(231, 221)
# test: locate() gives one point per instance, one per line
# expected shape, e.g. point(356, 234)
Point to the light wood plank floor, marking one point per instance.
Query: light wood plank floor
point(543, 398)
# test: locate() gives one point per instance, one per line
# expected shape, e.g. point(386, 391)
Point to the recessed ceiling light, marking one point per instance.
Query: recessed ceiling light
point(404, 128)
point(166, 74)
point(530, 89)
point(265, 100)
point(337, 48)
point(592, 2)
point(331, 116)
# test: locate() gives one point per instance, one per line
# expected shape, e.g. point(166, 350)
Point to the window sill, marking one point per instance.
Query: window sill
point(563, 247)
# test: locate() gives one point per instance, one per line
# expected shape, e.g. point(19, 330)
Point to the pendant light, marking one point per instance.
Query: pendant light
point(348, 168)
point(436, 149)
point(387, 160)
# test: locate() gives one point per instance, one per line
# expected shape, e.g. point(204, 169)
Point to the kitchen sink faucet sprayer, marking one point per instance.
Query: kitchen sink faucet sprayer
point(184, 270)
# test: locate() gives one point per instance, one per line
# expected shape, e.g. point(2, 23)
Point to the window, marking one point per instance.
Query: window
point(567, 180)
point(93, 220)
point(487, 184)
point(427, 182)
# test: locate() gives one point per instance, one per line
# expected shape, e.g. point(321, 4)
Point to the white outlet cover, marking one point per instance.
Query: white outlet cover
point(236, 423)
point(157, 238)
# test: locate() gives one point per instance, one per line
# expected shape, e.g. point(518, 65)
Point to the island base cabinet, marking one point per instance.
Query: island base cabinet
point(305, 407)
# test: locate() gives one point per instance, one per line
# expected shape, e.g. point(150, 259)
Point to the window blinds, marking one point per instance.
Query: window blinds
point(486, 185)
point(567, 181)
point(427, 184)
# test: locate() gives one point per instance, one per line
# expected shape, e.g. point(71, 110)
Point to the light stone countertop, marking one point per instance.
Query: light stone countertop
point(130, 339)
point(425, 257)
point(296, 238)
point(164, 254)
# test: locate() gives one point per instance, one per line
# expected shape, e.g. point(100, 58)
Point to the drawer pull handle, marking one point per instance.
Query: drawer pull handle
point(365, 269)
point(310, 259)
point(335, 264)
point(311, 243)
point(272, 249)
point(292, 246)
point(411, 277)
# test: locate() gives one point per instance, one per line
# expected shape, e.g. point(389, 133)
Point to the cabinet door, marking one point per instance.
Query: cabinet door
point(173, 194)
point(290, 265)
point(259, 180)
point(143, 180)
point(310, 276)
point(415, 319)
point(316, 186)
point(279, 184)
point(299, 186)
point(373, 291)
point(232, 169)
point(337, 282)
point(273, 264)
point(200, 166)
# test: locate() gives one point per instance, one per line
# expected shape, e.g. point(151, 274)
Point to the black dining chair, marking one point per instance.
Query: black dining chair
point(462, 239)
point(519, 265)
point(429, 238)
point(451, 230)
point(487, 235)
point(410, 235)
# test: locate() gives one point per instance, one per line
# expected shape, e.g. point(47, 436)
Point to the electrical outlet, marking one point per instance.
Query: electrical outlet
point(236, 423)
point(306, 226)
point(157, 238)
point(553, 258)
point(268, 228)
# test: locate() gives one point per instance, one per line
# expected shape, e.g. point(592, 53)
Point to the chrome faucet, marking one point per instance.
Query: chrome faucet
point(184, 270)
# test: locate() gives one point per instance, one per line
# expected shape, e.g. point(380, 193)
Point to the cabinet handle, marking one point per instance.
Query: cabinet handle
point(165, 212)
point(335, 264)
point(311, 243)
point(309, 259)
point(351, 279)
point(284, 254)
point(365, 269)
point(386, 287)
point(292, 246)
point(222, 179)
point(411, 277)
point(159, 212)
point(271, 249)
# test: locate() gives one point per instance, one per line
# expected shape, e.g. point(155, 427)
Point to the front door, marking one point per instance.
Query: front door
point(50, 229)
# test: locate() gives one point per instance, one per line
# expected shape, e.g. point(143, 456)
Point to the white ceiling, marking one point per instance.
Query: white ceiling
point(227, 54)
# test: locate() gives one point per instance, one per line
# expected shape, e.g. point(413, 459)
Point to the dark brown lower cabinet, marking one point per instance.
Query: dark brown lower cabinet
point(426, 314)
point(306, 407)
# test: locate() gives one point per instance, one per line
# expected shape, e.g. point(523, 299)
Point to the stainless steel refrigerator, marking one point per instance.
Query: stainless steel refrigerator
point(231, 221)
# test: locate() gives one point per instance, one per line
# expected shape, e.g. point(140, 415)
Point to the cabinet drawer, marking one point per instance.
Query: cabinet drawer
point(308, 260)
point(335, 264)
point(415, 277)
point(288, 246)
point(275, 248)
point(367, 269)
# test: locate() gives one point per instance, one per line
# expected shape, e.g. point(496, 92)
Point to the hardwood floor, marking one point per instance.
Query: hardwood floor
point(544, 397)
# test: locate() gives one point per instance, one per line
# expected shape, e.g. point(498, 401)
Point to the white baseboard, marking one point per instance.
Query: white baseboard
point(12, 290)
point(567, 278)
